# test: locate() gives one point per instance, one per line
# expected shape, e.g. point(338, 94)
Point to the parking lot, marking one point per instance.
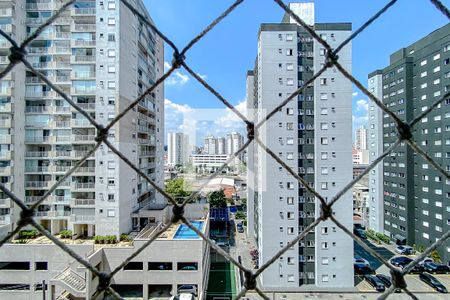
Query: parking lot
point(412, 280)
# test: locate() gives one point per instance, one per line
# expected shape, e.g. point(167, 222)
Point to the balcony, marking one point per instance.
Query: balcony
point(33, 79)
point(39, 94)
point(5, 155)
point(5, 139)
point(5, 219)
point(83, 43)
point(80, 123)
point(62, 200)
point(82, 74)
point(5, 123)
point(87, 106)
point(80, 154)
point(83, 91)
point(63, 153)
point(5, 203)
point(5, 171)
point(82, 202)
point(83, 11)
point(39, 50)
point(7, 28)
point(61, 124)
point(38, 6)
point(4, 60)
point(6, 12)
point(62, 139)
point(82, 58)
point(62, 109)
point(62, 169)
point(83, 138)
point(38, 139)
point(37, 169)
point(82, 185)
point(37, 154)
point(84, 27)
point(38, 109)
point(6, 108)
point(62, 35)
point(85, 170)
point(5, 92)
point(37, 184)
point(62, 50)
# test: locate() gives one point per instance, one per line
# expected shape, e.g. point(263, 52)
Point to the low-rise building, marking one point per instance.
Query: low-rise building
point(159, 270)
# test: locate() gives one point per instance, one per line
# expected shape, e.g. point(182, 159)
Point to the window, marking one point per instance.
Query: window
point(423, 62)
point(111, 5)
point(323, 81)
point(15, 265)
point(323, 126)
point(324, 155)
point(290, 260)
point(324, 278)
point(324, 245)
point(111, 37)
point(289, 52)
point(41, 265)
point(324, 185)
point(111, 53)
point(187, 266)
point(111, 197)
point(111, 213)
point(111, 69)
point(324, 141)
point(134, 265)
point(289, 81)
point(324, 111)
point(324, 230)
point(290, 200)
point(162, 266)
point(323, 96)
point(325, 260)
point(289, 66)
point(111, 85)
point(290, 278)
point(289, 37)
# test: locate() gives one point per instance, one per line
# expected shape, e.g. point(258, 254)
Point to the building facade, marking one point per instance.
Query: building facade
point(42, 136)
point(177, 149)
point(361, 138)
point(415, 195)
point(311, 134)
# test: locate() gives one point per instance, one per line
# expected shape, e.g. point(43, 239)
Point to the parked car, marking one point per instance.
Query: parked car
point(433, 282)
point(387, 281)
point(400, 261)
point(417, 269)
point(375, 282)
point(240, 227)
point(188, 289)
point(360, 260)
point(432, 267)
point(360, 233)
point(425, 260)
point(405, 250)
point(362, 269)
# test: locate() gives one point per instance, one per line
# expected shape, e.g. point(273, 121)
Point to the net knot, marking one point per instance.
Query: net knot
point(250, 280)
point(102, 134)
point(104, 279)
point(326, 211)
point(178, 59)
point(26, 217)
point(398, 280)
point(178, 212)
point(331, 58)
point(404, 131)
point(16, 55)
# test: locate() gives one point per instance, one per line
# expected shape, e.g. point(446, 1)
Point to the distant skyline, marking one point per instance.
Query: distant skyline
point(224, 55)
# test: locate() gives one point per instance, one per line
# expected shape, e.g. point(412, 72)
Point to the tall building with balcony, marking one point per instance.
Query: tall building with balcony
point(177, 149)
point(312, 134)
point(104, 57)
point(415, 199)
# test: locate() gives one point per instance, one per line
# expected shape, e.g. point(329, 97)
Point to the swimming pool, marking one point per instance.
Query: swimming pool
point(184, 232)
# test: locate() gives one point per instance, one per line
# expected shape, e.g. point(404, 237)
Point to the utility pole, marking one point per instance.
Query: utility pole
point(44, 288)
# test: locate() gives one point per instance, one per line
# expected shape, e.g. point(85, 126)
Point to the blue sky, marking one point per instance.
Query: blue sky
point(229, 50)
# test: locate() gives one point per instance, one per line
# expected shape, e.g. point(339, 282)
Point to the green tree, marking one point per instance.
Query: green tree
point(177, 189)
point(435, 256)
point(217, 199)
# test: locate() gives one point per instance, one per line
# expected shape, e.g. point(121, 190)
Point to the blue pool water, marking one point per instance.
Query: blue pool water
point(184, 232)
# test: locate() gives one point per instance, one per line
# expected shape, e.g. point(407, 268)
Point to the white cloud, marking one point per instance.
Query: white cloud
point(176, 78)
point(230, 121)
point(202, 76)
point(359, 120)
point(355, 94)
point(362, 105)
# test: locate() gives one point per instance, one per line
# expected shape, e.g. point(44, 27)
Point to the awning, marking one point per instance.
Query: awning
point(399, 237)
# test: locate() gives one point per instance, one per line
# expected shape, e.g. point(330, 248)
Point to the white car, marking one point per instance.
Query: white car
point(188, 289)
point(405, 250)
point(360, 260)
point(426, 260)
point(183, 297)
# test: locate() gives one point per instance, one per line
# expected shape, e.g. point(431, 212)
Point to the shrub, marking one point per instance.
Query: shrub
point(98, 239)
point(111, 239)
point(371, 234)
point(384, 238)
point(28, 234)
point(240, 215)
point(66, 234)
point(435, 256)
point(124, 237)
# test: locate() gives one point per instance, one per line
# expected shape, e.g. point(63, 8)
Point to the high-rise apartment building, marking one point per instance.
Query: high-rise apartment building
point(210, 145)
point(177, 149)
point(104, 57)
point(361, 138)
point(221, 145)
point(415, 196)
point(312, 134)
